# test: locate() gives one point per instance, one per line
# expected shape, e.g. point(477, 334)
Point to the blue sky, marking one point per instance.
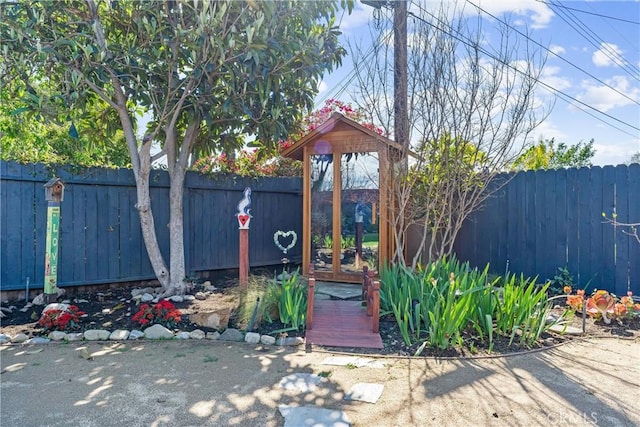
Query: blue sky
point(595, 60)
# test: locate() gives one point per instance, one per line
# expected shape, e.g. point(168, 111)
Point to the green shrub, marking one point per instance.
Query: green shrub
point(269, 297)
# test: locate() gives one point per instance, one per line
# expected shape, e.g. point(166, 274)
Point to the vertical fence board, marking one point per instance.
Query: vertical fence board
point(622, 241)
point(595, 210)
point(584, 272)
point(572, 213)
point(529, 223)
point(633, 197)
point(609, 233)
point(550, 258)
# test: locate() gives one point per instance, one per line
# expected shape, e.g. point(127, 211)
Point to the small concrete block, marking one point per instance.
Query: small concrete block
point(365, 392)
point(303, 416)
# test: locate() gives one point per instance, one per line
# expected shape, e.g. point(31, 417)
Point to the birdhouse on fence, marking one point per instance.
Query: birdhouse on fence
point(54, 190)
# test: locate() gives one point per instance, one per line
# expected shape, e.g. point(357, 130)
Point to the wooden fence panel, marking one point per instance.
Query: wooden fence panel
point(100, 235)
point(554, 220)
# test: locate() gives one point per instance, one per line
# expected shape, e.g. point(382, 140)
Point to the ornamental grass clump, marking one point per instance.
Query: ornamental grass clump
point(162, 313)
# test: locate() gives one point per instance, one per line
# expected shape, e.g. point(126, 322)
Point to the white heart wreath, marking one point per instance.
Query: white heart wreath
point(284, 234)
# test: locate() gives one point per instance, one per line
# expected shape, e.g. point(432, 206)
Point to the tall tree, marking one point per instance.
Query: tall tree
point(548, 155)
point(207, 72)
point(472, 108)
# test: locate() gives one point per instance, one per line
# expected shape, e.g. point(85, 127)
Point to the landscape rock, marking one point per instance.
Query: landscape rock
point(252, 338)
point(201, 296)
point(146, 297)
point(96, 335)
point(55, 306)
point(74, 336)
point(197, 334)
point(232, 334)
point(158, 332)
point(218, 319)
point(213, 335)
point(267, 340)
point(119, 335)
point(136, 334)
point(4, 339)
point(176, 298)
point(189, 298)
point(38, 340)
point(136, 292)
point(365, 392)
point(19, 338)
point(182, 335)
point(289, 341)
point(57, 335)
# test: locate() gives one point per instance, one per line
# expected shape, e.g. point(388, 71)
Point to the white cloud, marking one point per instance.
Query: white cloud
point(359, 17)
point(550, 75)
point(604, 98)
point(538, 12)
point(322, 87)
point(614, 153)
point(558, 50)
point(603, 56)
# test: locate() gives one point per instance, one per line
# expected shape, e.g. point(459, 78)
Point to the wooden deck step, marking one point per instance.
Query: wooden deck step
point(342, 324)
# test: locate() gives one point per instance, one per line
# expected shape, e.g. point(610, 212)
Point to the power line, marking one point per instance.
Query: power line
point(554, 54)
point(592, 13)
point(594, 39)
point(549, 87)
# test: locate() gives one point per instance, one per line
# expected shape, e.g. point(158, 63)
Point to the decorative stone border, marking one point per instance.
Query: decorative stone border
point(155, 332)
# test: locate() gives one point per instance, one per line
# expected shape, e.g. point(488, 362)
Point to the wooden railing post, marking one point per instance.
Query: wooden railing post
point(365, 275)
point(369, 293)
point(310, 297)
point(376, 307)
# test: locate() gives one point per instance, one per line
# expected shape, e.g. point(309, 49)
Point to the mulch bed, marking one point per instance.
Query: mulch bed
point(111, 308)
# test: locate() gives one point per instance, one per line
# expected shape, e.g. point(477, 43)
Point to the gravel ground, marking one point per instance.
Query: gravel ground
point(192, 383)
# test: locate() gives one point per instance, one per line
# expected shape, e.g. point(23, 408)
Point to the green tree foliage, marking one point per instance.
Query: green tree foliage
point(208, 73)
point(26, 137)
point(548, 155)
point(635, 158)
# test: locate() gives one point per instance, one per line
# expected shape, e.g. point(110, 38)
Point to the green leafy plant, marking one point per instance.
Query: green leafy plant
point(59, 319)
point(523, 310)
point(562, 279)
point(293, 302)
point(162, 313)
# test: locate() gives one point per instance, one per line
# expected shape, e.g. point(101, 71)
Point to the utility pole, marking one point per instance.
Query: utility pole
point(400, 110)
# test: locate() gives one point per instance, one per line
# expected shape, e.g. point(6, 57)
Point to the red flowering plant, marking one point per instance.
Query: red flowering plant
point(163, 313)
point(60, 319)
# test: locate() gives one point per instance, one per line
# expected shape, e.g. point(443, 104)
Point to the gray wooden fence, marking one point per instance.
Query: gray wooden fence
point(100, 237)
point(542, 220)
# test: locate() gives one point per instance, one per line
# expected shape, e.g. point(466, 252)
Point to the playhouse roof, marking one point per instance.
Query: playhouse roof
point(349, 131)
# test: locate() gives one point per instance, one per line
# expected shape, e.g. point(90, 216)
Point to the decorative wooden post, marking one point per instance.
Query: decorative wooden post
point(310, 297)
point(375, 312)
point(244, 217)
point(359, 217)
point(54, 193)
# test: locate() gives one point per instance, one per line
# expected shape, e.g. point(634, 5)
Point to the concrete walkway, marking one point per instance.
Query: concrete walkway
point(188, 383)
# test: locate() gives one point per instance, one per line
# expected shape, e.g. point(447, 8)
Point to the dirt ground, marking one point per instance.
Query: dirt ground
point(590, 381)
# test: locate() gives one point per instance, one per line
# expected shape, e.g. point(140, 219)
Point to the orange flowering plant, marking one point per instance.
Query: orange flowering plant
point(602, 304)
point(163, 313)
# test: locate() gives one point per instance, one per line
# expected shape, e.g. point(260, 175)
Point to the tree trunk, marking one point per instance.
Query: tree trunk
point(177, 284)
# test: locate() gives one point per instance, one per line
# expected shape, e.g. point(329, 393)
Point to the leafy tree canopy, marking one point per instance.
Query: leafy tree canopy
point(26, 137)
point(547, 155)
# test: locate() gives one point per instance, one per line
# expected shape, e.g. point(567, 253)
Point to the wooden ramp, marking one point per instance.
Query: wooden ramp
point(345, 323)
